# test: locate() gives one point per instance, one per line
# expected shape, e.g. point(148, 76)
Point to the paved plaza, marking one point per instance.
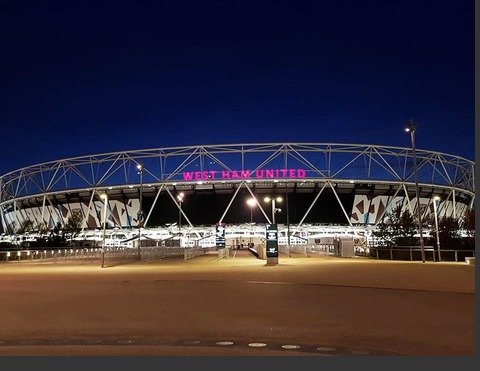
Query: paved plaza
point(240, 306)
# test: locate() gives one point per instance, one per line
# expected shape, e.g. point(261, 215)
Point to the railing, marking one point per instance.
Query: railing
point(91, 254)
point(52, 255)
point(411, 253)
point(193, 252)
point(307, 250)
point(415, 253)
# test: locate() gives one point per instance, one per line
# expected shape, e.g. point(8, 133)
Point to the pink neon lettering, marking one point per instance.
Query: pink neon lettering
point(301, 173)
point(245, 174)
point(258, 173)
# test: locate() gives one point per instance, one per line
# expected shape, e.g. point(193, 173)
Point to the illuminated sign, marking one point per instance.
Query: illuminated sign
point(220, 235)
point(245, 174)
point(272, 241)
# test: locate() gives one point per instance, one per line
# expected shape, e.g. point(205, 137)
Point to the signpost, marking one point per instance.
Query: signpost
point(220, 235)
point(272, 244)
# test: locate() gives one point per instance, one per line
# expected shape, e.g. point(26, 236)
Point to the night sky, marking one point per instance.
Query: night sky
point(83, 77)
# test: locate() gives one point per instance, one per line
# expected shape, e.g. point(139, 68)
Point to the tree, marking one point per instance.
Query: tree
point(407, 228)
point(469, 223)
point(73, 226)
point(25, 226)
point(42, 228)
point(449, 233)
point(398, 228)
point(469, 229)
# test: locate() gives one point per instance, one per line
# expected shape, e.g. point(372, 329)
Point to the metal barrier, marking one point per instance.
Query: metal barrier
point(51, 255)
point(91, 254)
point(308, 250)
point(414, 253)
point(191, 253)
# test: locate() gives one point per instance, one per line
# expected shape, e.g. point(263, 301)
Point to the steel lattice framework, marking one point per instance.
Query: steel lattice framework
point(331, 165)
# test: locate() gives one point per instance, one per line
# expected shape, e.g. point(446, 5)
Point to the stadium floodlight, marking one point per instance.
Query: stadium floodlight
point(251, 202)
point(104, 197)
point(140, 208)
point(274, 208)
point(180, 198)
point(412, 128)
point(435, 199)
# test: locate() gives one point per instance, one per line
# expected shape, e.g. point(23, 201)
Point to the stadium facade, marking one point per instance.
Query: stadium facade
point(352, 185)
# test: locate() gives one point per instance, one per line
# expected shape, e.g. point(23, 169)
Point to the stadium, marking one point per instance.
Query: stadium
point(315, 190)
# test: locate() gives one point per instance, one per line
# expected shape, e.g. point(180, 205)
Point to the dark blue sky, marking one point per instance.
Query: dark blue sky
point(82, 77)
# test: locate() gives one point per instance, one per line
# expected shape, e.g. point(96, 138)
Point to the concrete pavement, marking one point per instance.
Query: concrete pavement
point(315, 306)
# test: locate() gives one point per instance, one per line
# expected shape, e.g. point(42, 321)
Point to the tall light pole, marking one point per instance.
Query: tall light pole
point(274, 208)
point(180, 198)
point(411, 128)
point(104, 197)
point(251, 202)
point(435, 199)
point(288, 223)
point(140, 208)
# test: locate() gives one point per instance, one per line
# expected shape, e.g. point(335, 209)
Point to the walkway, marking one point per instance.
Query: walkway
point(239, 306)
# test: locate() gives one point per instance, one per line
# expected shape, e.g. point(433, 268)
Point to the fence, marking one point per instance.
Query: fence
point(150, 253)
point(312, 250)
point(411, 253)
point(415, 253)
point(92, 254)
point(52, 255)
